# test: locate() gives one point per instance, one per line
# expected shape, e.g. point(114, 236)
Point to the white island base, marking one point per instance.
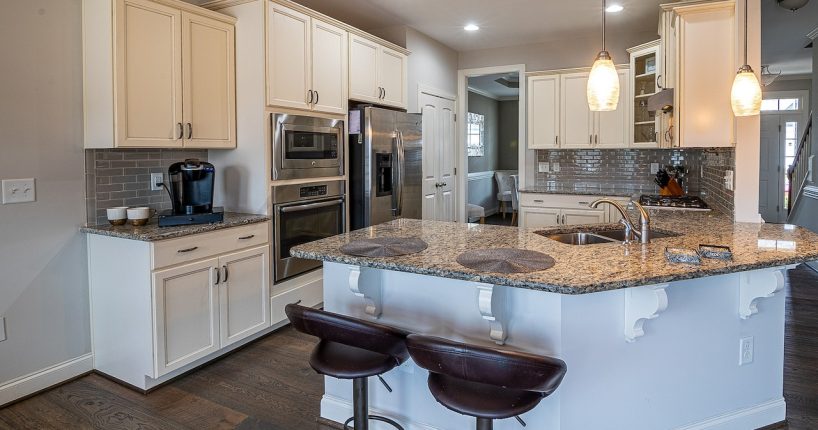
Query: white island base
point(656, 357)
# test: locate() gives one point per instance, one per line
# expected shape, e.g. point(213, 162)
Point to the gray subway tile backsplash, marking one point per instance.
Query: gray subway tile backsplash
point(121, 177)
point(629, 170)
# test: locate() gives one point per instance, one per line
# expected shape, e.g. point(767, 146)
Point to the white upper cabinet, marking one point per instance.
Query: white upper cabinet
point(158, 75)
point(543, 111)
point(377, 74)
point(289, 68)
point(329, 57)
point(576, 119)
point(209, 82)
point(612, 129)
point(306, 62)
point(646, 68)
point(705, 67)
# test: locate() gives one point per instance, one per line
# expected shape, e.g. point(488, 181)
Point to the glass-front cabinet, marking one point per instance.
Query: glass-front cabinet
point(645, 62)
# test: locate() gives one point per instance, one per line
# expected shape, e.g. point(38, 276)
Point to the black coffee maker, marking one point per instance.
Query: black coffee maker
point(191, 194)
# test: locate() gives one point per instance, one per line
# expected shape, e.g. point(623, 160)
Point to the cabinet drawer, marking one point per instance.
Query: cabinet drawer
point(189, 248)
point(309, 295)
point(561, 201)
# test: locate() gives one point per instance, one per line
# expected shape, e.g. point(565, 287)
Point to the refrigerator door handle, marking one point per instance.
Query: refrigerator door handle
point(401, 163)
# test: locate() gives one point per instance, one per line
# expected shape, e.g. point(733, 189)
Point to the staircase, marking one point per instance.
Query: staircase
point(800, 173)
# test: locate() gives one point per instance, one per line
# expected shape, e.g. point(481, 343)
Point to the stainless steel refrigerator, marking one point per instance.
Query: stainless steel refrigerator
point(385, 167)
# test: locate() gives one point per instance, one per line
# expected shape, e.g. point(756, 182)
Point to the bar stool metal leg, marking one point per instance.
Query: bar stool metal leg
point(360, 407)
point(485, 424)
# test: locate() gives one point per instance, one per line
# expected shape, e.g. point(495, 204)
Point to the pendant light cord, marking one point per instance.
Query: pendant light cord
point(746, 13)
point(604, 6)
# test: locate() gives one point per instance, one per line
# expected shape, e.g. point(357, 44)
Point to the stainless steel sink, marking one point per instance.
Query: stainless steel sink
point(619, 235)
point(581, 238)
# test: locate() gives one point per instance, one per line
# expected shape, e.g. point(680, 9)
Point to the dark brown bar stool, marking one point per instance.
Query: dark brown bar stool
point(352, 349)
point(485, 383)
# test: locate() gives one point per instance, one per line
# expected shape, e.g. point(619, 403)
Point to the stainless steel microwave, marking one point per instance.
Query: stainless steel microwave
point(307, 147)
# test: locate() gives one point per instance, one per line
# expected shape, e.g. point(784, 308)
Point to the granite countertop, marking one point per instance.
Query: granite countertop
point(603, 192)
point(588, 268)
point(152, 232)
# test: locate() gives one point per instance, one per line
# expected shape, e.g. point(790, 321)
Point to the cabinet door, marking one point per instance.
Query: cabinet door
point(543, 112)
point(392, 76)
point(583, 216)
point(539, 217)
point(244, 294)
point(148, 75)
point(186, 324)
point(288, 57)
point(612, 128)
point(329, 67)
point(209, 84)
point(576, 118)
point(705, 71)
point(363, 70)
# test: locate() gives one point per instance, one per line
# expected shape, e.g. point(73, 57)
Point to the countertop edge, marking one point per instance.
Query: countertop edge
point(129, 233)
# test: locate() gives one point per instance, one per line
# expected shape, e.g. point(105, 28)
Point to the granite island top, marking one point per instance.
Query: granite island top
point(587, 268)
point(152, 232)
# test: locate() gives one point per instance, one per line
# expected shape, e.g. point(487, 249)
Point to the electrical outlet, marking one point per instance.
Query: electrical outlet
point(745, 351)
point(18, 191)
point(654, 168)
point(729, 179)
point(2, 329)
point(543, 167)
point(555, 167)
point(157, 178)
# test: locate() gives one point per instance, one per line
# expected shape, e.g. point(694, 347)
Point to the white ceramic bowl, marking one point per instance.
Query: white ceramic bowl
point(139, 216)
point(117, 216)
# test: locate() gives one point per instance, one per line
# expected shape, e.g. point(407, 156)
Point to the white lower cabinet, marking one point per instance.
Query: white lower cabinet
point(161, 308)
point(551, 210)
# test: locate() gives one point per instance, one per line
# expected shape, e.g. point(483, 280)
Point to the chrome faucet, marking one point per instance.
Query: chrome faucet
point(630, 230)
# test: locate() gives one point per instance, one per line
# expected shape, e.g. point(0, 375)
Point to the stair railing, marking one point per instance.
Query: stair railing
point(799, 173)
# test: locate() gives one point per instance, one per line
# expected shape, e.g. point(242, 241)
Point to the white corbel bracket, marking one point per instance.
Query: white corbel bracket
point(757, 285)
point(642, 304)
point(491, 302)
point(370, 292)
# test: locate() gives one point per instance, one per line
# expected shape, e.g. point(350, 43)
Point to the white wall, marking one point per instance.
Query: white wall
point(557, 54)
point(44, 287)
point(431, 64)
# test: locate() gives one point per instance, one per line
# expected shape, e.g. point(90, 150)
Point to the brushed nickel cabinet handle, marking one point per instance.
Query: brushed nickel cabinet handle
point(189, 130)
point(309, 94)
point(218, 276)
point(181, 130)
point(226, 273)
point(247, 237)
point(558, 219)
point(182, 251)
point(316, 97)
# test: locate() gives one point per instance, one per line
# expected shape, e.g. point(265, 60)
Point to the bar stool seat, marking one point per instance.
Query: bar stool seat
point(487, 383)
point(348, 362)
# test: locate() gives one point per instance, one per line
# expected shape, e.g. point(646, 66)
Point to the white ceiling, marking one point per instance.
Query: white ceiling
point(502, 23)
point(783, 37)
point(488, 84)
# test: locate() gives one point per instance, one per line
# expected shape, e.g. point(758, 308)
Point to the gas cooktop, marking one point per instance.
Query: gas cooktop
point(693, 203)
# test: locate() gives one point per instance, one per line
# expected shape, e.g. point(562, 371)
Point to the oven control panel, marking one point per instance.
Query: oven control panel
point(313, 191)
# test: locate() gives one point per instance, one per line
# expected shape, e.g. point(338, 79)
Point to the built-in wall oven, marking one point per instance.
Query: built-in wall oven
point(304, 213)
point(306, 147)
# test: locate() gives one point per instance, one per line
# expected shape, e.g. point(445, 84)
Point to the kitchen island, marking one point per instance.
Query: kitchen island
point(648, 344)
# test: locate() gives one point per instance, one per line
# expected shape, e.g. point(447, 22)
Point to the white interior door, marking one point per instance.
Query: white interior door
point(770, 198)
point(439, 154)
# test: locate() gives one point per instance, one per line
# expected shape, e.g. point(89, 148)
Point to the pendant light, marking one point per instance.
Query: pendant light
point(745, 96)
point(603, 82)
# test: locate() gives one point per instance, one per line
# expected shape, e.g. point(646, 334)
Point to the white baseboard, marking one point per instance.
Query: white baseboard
point(753, 417)
point(40, 380)
point(338, 410)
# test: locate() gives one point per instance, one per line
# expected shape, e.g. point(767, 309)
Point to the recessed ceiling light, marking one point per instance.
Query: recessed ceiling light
point(471, 27)
point(614, 8)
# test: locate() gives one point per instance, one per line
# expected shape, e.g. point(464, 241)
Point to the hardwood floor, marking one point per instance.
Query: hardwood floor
point(269, 385)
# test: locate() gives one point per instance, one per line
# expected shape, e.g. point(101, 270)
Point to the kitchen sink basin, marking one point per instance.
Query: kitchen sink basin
point(581, 238)
point(619, 235)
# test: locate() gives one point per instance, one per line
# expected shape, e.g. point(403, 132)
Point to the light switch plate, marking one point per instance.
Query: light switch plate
point(18, 191)
point(729, 180)
point(2, 329)
point(555, 167)
point(543, 167)
point(654, 168)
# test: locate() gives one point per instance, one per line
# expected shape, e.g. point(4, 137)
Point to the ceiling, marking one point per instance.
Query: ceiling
point(783, 37)
point(488, 84)
point(502, 23)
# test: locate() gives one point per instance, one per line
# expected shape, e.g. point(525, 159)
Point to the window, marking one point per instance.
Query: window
point(791, 143)
point(475, 143)
point(786, 104)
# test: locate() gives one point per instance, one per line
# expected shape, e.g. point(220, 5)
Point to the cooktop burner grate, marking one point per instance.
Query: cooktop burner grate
point(683, 202)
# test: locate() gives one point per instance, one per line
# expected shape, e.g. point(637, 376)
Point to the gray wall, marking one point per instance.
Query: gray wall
point(491, 109)
point(44, 293)
point(431, 64)
point(815, 96)
point(508, 135)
